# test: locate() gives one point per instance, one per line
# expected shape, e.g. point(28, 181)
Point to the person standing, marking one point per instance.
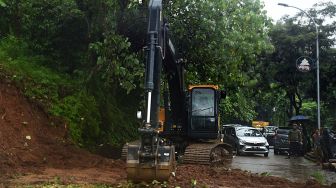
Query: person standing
point(325, 144)
point(295, 142)
point(317, 145)
point(315, 137)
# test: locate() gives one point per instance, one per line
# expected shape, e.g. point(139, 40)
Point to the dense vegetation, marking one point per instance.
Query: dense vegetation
point(82, 60)
point(293, 92)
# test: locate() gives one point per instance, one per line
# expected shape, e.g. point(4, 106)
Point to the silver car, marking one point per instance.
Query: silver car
point(246, 140)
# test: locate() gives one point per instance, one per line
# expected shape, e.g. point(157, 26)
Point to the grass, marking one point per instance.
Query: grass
point(318, 176)
point(265, 174)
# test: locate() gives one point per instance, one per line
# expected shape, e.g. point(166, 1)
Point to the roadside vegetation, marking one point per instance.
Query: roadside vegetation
point(82, 61)
point(318, 176)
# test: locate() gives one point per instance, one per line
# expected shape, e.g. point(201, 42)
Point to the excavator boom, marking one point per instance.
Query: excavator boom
point(150, 158)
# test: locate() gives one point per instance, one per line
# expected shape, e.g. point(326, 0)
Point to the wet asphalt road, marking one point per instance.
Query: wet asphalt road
point(298, 169)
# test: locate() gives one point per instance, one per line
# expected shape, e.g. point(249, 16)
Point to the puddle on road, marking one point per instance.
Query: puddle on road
point(298, 169)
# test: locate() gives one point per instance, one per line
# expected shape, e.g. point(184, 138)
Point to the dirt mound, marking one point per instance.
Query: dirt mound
point(35, 150)
point(30, 142)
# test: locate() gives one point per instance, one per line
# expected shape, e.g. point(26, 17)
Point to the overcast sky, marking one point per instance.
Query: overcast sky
point(276, 12)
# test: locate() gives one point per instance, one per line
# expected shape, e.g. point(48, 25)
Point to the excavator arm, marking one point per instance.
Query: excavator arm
point(151, 158)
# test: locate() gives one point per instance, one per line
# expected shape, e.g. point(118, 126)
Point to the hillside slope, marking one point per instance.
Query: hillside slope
point(31, 142)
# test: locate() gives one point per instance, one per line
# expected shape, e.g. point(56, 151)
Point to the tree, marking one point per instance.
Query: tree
point(295, 37)
point(219, 41)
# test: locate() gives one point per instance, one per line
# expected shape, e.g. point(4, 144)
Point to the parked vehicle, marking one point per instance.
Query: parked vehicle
point(245, 140)
point(328, 144)
point(269, 133)
point(281, 144)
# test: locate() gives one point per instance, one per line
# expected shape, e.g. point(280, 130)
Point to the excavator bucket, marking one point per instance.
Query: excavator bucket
point(159, 169)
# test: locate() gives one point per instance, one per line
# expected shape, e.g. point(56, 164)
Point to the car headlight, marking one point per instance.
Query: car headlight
point(242, 142)
point(266, 143)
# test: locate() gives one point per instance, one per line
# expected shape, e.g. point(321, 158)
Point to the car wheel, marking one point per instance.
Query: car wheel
point(265, 154)
point(276, 152)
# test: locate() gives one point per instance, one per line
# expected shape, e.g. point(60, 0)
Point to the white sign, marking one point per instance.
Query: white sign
point(304, 64)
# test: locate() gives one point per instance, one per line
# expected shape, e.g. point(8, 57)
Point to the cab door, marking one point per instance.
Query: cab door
point(203, 113)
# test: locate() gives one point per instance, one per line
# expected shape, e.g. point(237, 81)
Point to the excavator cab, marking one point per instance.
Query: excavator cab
point(203, 110)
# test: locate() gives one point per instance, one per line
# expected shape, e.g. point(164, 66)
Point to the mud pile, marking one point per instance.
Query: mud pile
point(33, 143)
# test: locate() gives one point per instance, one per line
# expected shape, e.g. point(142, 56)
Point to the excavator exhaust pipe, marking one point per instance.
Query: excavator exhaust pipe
point(160, 168)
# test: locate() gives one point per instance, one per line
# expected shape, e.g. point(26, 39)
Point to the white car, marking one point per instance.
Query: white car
point(246, 140)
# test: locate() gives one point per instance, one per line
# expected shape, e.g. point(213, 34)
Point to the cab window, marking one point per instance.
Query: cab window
point(203, 103)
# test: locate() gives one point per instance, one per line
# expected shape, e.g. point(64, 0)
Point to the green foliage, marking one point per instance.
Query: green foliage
point(271, 103)
point(318, 176)
point(309, 109)
point(193, 183)
point(116, 64)
point(52, 28)
point(66, 31)
point(13, 48)
point(2, 3)
point(39, 83)
point(236, 106)
point(81, 112)
point(265, 174)
point(219, 35)
point(220, 42)
point(117, 111)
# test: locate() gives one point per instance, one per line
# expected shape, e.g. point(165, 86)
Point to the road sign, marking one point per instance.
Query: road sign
point(304, 64)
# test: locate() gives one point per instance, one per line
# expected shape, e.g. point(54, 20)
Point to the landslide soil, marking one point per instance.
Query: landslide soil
point(35, 149)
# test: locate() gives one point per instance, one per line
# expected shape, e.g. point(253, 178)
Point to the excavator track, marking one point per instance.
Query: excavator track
point(207, 153)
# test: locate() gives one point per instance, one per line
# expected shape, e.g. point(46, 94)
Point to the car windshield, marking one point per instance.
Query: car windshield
point(250, 132)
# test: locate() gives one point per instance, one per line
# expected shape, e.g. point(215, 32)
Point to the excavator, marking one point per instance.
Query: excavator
point(186, 126)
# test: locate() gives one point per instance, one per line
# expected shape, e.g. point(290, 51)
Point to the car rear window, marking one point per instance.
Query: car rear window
point(282, 131)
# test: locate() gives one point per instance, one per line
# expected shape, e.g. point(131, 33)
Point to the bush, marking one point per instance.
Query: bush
point(81, 112)
point(12, 48)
